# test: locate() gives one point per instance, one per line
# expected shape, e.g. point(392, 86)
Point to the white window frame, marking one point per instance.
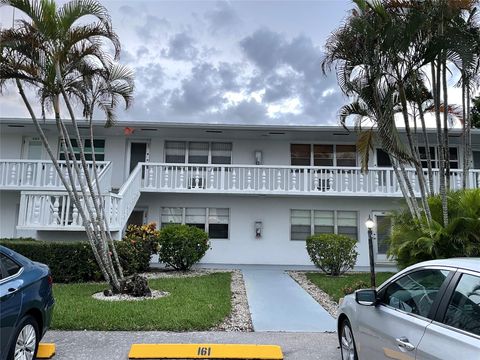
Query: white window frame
point(312, 154)
point(312, 218)
point(187, 150)
point(207, 214)
point(60, 151)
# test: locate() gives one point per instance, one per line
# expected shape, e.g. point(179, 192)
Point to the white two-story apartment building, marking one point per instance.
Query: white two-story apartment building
point(257, 190)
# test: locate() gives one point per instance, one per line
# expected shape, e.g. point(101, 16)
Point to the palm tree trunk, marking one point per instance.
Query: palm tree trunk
point(464, 130)
point(113, 249)
point(435, 66)
point(445, 122)
point(416, 163)
point(69, 185)
point(427, 149)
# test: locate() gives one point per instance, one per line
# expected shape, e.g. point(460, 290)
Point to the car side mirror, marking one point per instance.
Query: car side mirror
point(366, 297)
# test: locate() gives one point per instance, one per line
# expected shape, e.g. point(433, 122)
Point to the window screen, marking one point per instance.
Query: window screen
point(383, 159)
point(323, 222)
point(221, 153)
point(453, 158)
point(198, 153)
point(172, 216)
point(347, 223)
point(175, 152)
point(476, 159)
point(300, 224)
point(300, 154)
point(218, 220)
point(323, 155)
point(98, 147)
point(423, 156)
point(346, 155)
point(196, 217)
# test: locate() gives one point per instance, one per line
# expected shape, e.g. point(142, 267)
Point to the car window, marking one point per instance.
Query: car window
point(415, 292)
point(10, 267)
point(463, 311)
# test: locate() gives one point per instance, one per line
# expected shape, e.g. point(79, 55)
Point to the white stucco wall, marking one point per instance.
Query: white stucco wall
point(275, 246)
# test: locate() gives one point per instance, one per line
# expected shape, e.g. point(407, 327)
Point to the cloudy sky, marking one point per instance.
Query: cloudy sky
point(223, 61)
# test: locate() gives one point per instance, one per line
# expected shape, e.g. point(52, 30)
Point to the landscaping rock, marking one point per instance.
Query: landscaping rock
point(240, 318)
point(155, 294)
point(136, 286)
point(320, 296)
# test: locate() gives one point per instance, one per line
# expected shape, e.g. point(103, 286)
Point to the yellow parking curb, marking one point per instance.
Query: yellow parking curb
point(205, 351)
point(45, 351)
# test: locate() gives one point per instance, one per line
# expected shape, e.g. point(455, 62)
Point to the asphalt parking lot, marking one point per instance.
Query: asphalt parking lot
point(102, 345)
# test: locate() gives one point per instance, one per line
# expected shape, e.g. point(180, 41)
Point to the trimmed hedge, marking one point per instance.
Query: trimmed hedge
point(333, 254)
point(68, 261)
point(181, 246)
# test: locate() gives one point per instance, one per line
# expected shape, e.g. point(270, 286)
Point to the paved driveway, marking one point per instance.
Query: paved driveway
point(114, 345)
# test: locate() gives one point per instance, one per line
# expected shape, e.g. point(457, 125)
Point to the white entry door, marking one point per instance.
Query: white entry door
point(381, 234)
point(32, 148)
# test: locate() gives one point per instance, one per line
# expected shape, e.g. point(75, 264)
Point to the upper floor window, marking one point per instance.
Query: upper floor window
point(476, 159)
point(98, 146)
point(434, 157)
point(323, 155)
point(198, 152)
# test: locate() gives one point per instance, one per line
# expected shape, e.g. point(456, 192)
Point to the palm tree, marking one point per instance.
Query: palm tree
point(415, 36)
point(54, 52)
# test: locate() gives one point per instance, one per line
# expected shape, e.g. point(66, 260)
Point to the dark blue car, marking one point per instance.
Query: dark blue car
point(26, 305)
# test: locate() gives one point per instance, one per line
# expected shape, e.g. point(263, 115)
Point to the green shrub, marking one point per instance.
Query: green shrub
point(350, 288)
point(334, 254)
point(68, 261)
point(181, 246)
point(137, 247)
point(413, 241)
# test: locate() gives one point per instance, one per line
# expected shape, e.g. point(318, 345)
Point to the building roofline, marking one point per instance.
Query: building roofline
point(213, 126)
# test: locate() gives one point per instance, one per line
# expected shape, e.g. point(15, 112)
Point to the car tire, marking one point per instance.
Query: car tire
point(347, 342)
point(25, 340)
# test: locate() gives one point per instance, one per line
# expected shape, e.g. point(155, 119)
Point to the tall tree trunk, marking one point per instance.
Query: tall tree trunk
point(69, 185)
point(464, 132)
point(445, 122)
point(435, 66)
point(416, 163)
point(427, 149)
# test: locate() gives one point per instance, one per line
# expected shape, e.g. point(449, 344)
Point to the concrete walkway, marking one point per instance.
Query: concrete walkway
point(278, 303)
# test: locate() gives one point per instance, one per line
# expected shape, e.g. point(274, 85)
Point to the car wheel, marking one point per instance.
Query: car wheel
point(25, 341)
point(347, 342)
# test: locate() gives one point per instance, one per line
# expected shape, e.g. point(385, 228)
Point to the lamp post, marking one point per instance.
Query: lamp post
point(370, 224)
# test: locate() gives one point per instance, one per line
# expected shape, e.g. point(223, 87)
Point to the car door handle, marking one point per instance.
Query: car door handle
point(12, 290)
point(405, 344)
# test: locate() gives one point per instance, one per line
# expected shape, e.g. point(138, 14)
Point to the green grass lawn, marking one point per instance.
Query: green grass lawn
point(333, 285)
point(195, 303)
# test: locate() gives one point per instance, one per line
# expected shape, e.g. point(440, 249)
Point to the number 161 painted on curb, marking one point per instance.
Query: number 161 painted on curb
point(204, 351)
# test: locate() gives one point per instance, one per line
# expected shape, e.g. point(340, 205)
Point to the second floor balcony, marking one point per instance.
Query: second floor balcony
point(287, 180)
point(40, 175)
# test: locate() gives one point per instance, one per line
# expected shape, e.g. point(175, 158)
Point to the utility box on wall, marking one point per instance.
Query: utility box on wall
point(258, 229)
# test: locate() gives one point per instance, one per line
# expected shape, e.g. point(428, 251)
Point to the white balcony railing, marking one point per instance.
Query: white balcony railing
point(53, 210)
point(299, 180)
point(39, 174)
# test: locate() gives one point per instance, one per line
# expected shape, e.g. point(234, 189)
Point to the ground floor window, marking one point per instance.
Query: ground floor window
point(304, 223)
point(215, 221)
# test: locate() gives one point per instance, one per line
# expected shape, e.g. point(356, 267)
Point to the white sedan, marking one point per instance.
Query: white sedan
point(430, 310)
